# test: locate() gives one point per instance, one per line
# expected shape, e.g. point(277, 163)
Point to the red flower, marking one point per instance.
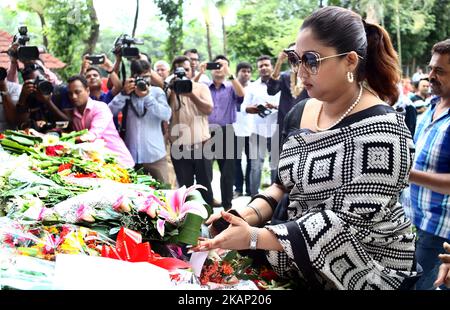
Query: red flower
point(227, 269)
point(85, 175)
point(52, 150)
point(269, 275)
point(2, 136)
point(63, 167)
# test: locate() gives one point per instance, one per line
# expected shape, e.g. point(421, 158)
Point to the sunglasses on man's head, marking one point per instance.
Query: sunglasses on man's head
point(310, 61)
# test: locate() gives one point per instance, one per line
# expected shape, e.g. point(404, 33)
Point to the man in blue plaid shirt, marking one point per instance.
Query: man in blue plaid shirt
point(430, 175)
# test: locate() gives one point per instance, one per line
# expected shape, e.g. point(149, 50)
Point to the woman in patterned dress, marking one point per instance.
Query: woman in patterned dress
point(345, 158)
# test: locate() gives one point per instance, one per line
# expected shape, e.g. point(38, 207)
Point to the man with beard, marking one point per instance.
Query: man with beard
point(430, 175)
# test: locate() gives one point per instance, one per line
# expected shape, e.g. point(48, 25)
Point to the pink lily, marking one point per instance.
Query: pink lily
point(151, 206)
point(84, 214)
point(122, 204)
point(178, 207)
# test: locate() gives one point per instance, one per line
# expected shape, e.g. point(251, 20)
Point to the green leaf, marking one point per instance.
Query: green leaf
point(230, 256)
point(190, 230)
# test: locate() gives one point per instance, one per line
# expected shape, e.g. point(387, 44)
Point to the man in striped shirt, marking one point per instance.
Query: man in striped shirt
point(430, 175)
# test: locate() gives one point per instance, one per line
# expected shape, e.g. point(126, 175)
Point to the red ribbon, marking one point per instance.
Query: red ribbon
point(129, 247)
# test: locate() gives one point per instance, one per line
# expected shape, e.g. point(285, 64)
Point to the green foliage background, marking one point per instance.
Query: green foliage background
point(260, 27)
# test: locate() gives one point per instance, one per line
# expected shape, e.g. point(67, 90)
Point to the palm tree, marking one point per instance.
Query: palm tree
point(207, 18)
point(136, 18)
point(94, 32)
point(223, 9)
point(38, 7)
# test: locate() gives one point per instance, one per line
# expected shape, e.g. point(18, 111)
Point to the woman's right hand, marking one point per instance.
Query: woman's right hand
point(214, 217)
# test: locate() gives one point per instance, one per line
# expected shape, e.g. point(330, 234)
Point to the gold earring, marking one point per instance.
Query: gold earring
point(350, 77)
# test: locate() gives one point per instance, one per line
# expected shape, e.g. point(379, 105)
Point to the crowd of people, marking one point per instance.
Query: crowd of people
point(343, 133)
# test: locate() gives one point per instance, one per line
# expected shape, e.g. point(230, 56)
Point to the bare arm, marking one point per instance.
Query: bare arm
point(277, 69)
point(202, 69)
point(113, 78)
point(157, 80)
point(8, 105)
point(437, 182)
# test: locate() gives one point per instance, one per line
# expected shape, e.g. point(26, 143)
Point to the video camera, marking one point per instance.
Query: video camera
point(123, 43)
point(181, 85)
point(24, 53)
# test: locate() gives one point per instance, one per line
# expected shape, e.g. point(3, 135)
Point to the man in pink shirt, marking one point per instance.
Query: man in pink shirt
point(97, 118)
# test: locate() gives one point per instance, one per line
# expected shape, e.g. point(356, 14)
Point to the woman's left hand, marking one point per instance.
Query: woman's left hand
point(235, 237)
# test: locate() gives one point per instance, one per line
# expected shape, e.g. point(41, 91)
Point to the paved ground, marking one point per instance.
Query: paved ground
point(239, 202)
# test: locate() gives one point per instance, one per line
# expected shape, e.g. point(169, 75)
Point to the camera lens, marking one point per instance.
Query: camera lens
point(3, 73)
point(141, 84)
point(44, 86)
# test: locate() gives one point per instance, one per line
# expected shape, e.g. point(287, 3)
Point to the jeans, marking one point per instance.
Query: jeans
point(258, 147)
point(428, 247)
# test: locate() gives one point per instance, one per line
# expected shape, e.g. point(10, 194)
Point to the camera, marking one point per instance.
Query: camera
point(3, 73)
point(182, 84)
point(142, 83)
point(213, 66)
point(96, 59)
point(263, 111)
point(123, 43)
point(24, 53)
point(43, 86)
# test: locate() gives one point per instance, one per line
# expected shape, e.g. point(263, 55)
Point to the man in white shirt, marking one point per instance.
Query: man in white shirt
point(242, 132)
point(262, 110)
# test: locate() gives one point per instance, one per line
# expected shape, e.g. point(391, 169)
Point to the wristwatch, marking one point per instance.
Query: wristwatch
point(231, 77)
point(253, 237)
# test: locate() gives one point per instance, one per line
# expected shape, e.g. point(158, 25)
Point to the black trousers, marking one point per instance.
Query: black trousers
point(189, 169)
point(223, 149)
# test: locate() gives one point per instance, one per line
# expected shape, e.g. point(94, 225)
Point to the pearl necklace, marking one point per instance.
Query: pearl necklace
point(343, 115)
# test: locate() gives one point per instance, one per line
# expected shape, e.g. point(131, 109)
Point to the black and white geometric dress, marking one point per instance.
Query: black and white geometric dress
point(345, 228)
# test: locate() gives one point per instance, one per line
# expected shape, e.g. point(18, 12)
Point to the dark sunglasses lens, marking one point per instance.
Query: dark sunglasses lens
point(293, 59)
point(310, 62)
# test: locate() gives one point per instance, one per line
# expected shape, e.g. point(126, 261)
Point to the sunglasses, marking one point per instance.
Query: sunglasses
point(310, 61)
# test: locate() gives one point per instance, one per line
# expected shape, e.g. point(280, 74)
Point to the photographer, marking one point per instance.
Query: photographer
point(9, 95)
point(122, 49)
point(261, 111)
point(13, 52)
point(94, 78)
point(36, 107)
point(198, 72)
point(97, 118)
point(189, 128)
point(227, 93)
point(144, 108)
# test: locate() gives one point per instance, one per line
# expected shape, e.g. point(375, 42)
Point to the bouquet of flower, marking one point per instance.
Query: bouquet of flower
point(167, 216)
point(228, 268)
point(46, 242)
point(62, 156)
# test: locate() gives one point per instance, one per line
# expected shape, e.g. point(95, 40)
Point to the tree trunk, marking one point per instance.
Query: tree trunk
point(95, 29)
point(43, 24)
point(224, 35)
point(136, 18)
point(399, 38)
point(372, 15)
point(208, 40)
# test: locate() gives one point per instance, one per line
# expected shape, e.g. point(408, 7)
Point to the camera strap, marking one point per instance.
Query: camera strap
point(123, 125)
point(180, 102)
point(135, 111)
